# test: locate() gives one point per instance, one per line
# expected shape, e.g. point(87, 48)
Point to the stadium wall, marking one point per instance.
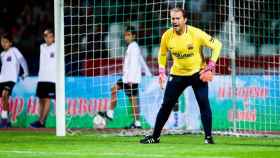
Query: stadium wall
point(258, 103)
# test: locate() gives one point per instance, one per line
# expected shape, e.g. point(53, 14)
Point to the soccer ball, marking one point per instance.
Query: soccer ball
point(99, 122)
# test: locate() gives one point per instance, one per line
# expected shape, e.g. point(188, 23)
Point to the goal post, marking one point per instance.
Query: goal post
point(60, 64)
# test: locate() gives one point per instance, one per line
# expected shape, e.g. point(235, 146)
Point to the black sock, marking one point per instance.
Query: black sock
point(207, 124)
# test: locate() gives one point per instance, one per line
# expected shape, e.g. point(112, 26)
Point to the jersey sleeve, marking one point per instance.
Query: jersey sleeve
point(18, 53)
point(212, 43)
point(41, 55)
point(41, 48)
point(21, 61)
point(163, 51)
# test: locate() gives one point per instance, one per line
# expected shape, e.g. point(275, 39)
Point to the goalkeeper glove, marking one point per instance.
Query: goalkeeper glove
point(207, 73)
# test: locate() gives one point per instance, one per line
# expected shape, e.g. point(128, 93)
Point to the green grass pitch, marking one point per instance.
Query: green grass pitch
point(28, 144)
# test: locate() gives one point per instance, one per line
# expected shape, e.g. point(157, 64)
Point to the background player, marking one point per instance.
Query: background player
point(46, 81)
point(133, 64)
point(11, 60)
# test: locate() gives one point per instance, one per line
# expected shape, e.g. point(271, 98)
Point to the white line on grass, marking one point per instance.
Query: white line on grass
point(67, 153)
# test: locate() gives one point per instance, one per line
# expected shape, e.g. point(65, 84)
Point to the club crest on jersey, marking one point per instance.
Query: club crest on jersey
point(9, 58)
point(190, 46)
point(52, 54)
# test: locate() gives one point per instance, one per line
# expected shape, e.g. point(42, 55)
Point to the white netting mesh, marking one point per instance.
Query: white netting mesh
point(244, 96)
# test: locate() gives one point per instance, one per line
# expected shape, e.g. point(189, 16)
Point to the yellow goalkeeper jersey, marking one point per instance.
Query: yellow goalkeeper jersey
point(186, 50)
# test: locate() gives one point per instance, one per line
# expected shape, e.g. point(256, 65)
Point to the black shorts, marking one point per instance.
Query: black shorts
point(45, 90)
point(8, 86)
point(130, 90)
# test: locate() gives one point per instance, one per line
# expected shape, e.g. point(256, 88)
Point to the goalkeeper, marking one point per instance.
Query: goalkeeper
point(185, 43)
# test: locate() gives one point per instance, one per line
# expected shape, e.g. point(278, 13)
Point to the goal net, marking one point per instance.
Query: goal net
point(244, 95)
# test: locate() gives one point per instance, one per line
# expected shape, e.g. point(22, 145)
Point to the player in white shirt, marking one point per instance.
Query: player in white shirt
point(11, 60)
point(46, 81)
point(133, 64)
